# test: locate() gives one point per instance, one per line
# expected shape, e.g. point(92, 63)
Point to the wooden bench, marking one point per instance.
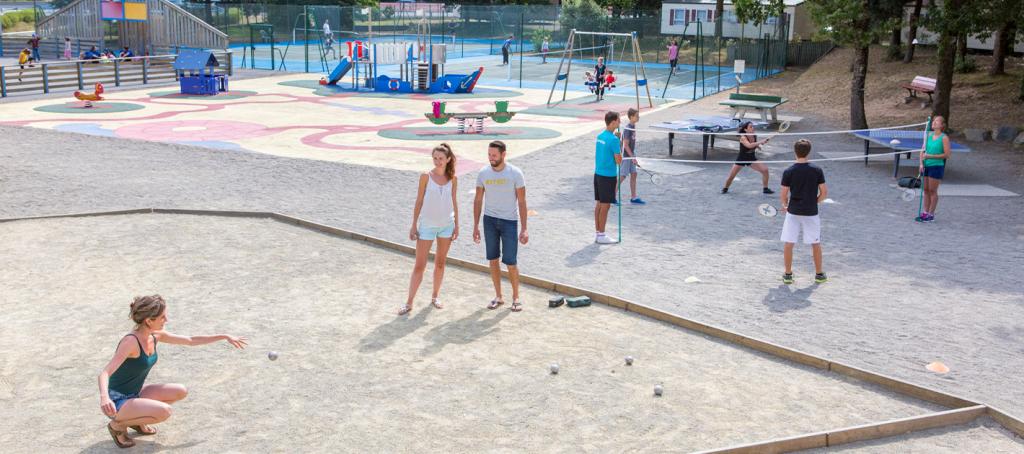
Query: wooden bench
point(920, 84)
point(740, 103)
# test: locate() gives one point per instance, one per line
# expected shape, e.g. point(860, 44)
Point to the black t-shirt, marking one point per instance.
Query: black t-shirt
point(803, 180)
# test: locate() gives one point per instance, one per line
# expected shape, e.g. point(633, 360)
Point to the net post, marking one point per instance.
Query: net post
point(618, 186)
point(924, 147)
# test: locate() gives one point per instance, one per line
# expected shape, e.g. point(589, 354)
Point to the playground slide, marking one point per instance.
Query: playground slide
point(339, 71)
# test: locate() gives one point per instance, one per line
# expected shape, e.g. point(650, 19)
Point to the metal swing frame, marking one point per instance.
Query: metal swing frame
point(566, 62)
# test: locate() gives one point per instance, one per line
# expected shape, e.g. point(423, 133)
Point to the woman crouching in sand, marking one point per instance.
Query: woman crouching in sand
point(123, 397)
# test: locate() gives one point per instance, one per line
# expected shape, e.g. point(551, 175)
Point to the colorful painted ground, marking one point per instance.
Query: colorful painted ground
point(293, 116)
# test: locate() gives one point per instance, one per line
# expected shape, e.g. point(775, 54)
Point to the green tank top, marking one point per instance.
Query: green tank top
point(129, 378)
point(934, 146)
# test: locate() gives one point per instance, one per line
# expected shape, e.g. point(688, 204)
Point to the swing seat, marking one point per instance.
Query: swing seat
point(641, 82)
point(562, 76)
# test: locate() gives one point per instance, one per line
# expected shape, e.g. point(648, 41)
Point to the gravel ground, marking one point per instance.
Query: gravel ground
point(459, 379)
point(901, 294)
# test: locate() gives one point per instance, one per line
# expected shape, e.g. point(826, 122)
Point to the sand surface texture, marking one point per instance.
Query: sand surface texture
point(353, 376)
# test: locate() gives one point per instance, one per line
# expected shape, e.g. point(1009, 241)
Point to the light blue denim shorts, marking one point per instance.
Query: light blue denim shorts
point(432, 233)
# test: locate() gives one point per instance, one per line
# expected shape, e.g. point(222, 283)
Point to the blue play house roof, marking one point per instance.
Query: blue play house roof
point(195, 60)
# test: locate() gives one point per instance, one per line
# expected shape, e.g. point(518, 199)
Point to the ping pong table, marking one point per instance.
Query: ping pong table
point(709, 125)
point(909, 141)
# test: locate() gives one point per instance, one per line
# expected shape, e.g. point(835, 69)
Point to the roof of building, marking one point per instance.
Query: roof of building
point(727, 2)
point(191, 59)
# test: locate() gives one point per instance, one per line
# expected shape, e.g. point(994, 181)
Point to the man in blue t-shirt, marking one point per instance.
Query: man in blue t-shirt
point(505, 48)
point(607, 158)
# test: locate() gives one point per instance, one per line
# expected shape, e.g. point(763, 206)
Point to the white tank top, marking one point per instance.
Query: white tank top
point(437, 210)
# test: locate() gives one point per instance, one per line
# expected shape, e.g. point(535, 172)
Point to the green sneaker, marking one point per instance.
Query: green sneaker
point(787, 278)
point(820, 278)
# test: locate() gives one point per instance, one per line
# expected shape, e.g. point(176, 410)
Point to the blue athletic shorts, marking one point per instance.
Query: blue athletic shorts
point(935, 172)
point(501, 237)
point(120, 399)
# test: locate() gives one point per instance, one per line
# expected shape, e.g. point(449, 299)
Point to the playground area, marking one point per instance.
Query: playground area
point(294, 116)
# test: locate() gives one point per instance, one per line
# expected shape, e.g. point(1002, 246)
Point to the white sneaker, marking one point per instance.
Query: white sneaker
point(603, 239)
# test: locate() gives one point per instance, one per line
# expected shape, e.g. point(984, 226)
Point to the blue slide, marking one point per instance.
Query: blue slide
point(339, 71)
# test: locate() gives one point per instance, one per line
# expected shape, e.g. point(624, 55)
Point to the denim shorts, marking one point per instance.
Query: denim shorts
point(501, 237)
point(935, 172)
point(432, 233)
point(120, 399)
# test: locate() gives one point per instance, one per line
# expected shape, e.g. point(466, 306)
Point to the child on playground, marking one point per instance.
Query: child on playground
point(590, 81)
point(628, 166)
point(24, 57)
point(67, 48)
point(803, 188)
point(673, 56)
point(609, 80)
point(545, 47)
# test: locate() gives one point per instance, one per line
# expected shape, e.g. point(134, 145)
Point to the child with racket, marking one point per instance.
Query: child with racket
point(628, 166)
point(803, 188)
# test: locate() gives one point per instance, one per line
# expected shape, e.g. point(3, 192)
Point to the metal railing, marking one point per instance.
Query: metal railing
point(47, 77)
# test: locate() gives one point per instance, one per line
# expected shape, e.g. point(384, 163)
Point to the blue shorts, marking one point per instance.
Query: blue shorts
point(935, 172)
point(432, 233)
point(502, 239)
point(120, 399)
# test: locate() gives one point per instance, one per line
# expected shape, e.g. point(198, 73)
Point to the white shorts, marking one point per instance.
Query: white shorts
point(794, 224)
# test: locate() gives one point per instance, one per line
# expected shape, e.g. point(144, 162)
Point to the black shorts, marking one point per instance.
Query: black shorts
point(745, 159)
point(672, 63)
point(604, 189)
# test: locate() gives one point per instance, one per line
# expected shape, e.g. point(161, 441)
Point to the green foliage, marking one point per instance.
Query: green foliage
point(839, 19)
point(537, 36)
point(757, 12)
point(12, 18)
point(965, 65)
point(584, 15)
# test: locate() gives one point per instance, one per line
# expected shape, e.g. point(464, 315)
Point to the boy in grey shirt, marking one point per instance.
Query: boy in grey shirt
point(503, 188)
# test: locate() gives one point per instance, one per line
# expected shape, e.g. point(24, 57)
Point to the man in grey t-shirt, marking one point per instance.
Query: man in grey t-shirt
point(502, 188)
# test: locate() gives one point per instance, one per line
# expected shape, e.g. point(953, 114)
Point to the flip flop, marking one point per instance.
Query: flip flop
point(495, 303)
point(142, 432)
point(516, 306)
point(115, 433)
point(437, 304)
point(404, 310)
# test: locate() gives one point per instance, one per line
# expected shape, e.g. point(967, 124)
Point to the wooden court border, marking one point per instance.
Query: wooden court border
point(961, 410)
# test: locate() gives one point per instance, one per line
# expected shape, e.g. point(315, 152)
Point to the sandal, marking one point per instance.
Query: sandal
point(117, 433)
point(437, 304)
point(516, 306)
point(495, 303)
point(404, 310)
point(139, 430)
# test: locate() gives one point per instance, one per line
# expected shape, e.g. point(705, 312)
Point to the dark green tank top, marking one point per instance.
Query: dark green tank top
point(128, 378)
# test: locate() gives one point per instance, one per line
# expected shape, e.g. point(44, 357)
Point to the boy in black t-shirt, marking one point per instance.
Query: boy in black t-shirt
point(803, 188)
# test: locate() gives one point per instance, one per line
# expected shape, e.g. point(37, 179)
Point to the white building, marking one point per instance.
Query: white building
point(679, 17)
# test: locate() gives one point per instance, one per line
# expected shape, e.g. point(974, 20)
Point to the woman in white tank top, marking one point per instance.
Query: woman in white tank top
point(435, 216)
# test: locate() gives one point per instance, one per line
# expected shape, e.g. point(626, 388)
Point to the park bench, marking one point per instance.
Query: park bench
point(740, 103)
point(920, 84)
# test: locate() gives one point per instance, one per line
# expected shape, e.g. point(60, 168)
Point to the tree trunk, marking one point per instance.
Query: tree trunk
point(858, 118)
point(895, 51)
point(961, 47)
point(912, 34)
point(947, 58)
point(719, 11)
point(1001, 47)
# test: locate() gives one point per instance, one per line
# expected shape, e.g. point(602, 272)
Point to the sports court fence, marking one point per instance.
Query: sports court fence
point(292, 37)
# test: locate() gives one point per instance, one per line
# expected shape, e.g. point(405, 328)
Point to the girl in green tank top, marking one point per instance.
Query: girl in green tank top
point(933, 167)
point(124, 396)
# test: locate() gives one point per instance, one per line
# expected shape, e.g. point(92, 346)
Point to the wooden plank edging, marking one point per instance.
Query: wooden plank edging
point(859, 433)
point(965, 410)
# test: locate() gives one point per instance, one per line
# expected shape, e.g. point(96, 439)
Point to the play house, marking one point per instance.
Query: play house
point(195, 70)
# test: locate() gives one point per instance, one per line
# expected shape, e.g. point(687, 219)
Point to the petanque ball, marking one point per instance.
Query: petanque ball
point(554, 369)
point(658, 390)
point(629, 360)
point(272, 356)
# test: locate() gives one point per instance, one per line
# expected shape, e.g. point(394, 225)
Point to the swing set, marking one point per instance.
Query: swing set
point(639, 73)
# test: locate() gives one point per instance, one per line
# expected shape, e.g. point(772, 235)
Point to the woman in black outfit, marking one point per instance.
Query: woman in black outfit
point(599, 72)
point(747, 157)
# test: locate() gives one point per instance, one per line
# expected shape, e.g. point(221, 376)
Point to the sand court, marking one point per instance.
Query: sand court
point(350, 373)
